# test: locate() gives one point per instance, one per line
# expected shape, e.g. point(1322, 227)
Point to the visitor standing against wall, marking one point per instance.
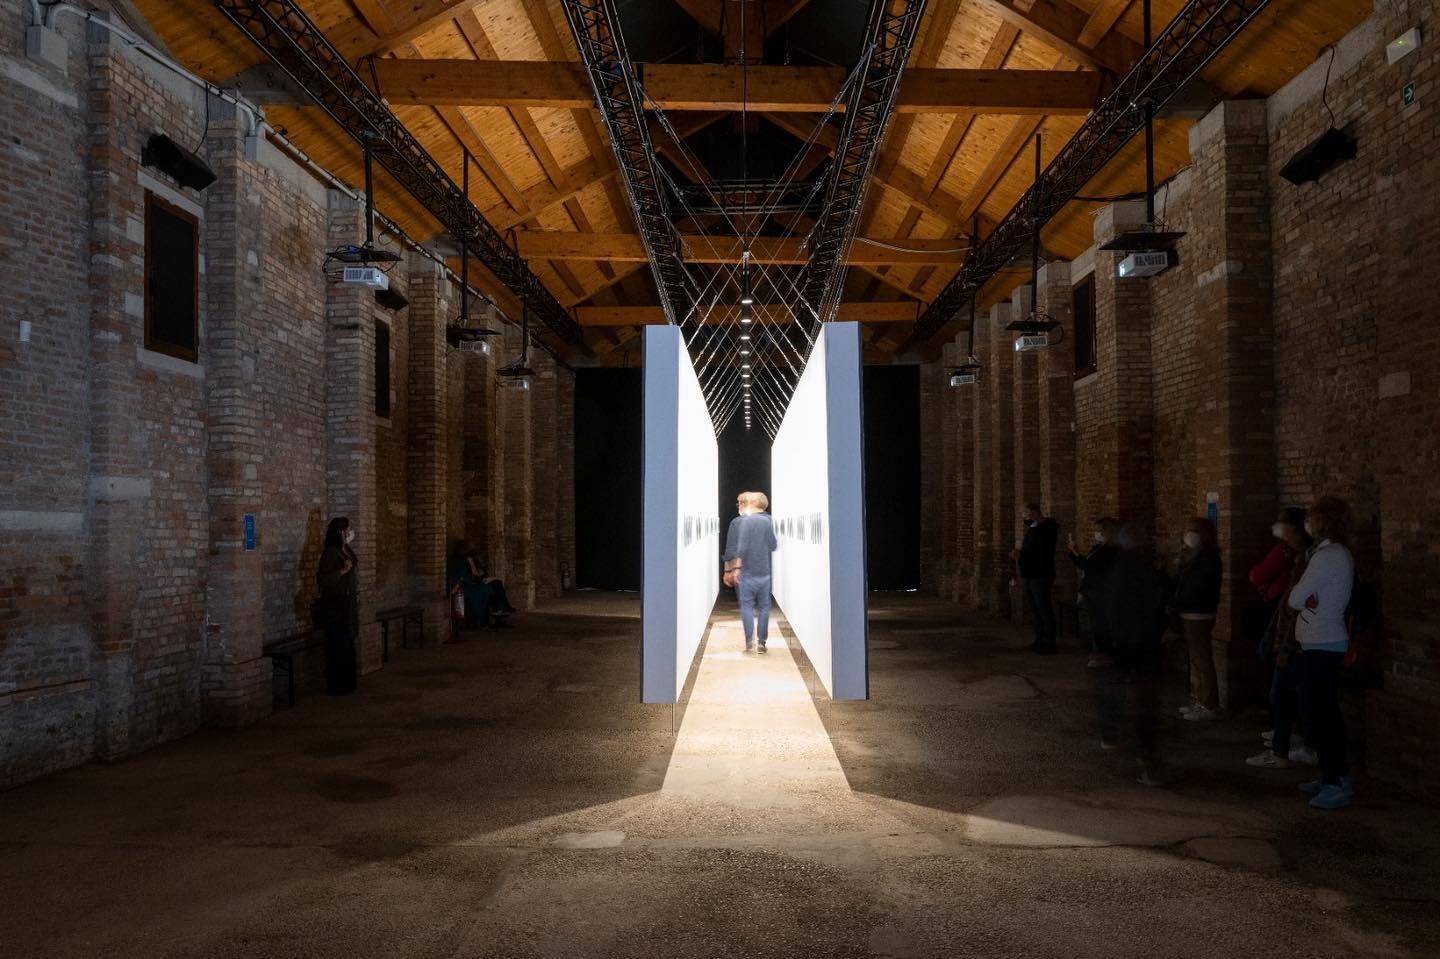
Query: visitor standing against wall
point(748, 545)
point(1319, 599)
point(1196, 600)
point(1278, 645)
point(338, 611)
point(1098, 579)
point(1036, 562)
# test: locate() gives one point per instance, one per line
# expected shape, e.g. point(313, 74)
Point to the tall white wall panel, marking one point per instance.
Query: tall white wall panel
point(817, 501)
point(681, 529)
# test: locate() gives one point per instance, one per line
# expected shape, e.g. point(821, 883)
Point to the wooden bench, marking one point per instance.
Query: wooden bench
point(282, 653)
point(406, 615)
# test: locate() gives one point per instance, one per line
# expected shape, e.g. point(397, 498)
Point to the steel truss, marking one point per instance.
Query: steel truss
point(869, 108)
point(301, 50)
point(596, 29)
point(1192, 39)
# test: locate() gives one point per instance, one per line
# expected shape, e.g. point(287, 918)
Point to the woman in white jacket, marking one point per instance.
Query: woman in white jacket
point(1320, 598)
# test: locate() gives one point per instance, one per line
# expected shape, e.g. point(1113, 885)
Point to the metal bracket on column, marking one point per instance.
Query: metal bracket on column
point(301, 50)
point(1197, 33)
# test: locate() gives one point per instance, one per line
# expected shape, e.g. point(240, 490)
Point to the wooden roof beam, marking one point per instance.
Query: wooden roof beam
point(1060, 26)
point(397, 23)
point(720, 87)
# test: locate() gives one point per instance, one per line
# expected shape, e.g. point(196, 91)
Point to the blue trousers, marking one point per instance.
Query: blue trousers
point(754, 595)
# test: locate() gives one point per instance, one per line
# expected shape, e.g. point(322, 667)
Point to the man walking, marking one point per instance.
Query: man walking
point(748, 545)
point(1036, 560)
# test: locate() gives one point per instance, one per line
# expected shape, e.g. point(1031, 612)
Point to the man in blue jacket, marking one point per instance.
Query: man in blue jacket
point(1036, 561)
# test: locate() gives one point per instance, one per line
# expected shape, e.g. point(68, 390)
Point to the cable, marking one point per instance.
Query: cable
point(1325, 90)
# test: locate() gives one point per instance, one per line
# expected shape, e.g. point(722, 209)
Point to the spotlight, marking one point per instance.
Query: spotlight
point(745, 337)
point(744, 351)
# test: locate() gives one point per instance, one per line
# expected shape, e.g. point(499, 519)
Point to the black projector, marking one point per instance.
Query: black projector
point(1331, 149)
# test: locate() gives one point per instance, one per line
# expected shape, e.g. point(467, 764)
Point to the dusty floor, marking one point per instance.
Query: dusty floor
point(508, 797)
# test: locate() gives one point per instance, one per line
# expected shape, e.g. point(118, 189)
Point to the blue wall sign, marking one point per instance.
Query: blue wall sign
point(249, 532)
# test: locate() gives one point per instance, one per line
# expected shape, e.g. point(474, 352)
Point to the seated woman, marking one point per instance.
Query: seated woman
point(496, 602)
point(474, 594)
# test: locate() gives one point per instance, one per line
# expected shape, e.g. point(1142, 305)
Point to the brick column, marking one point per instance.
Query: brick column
point(426, 451)
point(999, 363)
point(1026, 397)
point(960, 438)
point(477, 461)
point(943, 497)
point(236, 681)
point(1055, 448)
point(118, 483)
point(514, 466)
point(350, 419)
point(545, 501)
point(933, 546)
point(1235, 450)
point(1124, 458)
point(983, 575)
point(565, 474)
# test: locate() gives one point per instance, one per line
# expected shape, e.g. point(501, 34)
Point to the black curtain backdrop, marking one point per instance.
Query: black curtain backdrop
point(609, 429)
point(609, 432)
point(892, 476)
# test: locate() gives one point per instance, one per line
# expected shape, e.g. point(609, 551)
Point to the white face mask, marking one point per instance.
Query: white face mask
point(1192, 540)
point(1099, 537)
point(1309, 531)
point(349, 536)
point(1278, 530)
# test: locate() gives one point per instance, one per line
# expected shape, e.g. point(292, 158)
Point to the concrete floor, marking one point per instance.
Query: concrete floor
point(508, 797)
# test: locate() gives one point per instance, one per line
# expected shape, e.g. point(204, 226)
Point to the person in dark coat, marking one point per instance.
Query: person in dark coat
point(338, 608)
point(1196, 600)
point(1035, 560)
point(1098, 580)
point(1136, 613)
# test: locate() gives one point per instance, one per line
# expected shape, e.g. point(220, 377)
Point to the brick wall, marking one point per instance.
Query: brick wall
point(1291, 353)
point(130, 611)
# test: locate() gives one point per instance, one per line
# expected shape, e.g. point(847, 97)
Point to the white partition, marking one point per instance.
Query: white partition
point(818, 503)
point(681, 528)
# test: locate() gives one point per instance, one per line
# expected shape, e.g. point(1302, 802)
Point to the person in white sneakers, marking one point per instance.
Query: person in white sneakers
point(1196, 599)
point(1279, 643)
point(1319, 600)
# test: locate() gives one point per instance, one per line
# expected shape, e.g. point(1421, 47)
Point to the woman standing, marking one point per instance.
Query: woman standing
point(1319, 599)
point(339, 582)
point(1278, 643)
point(1196, 599)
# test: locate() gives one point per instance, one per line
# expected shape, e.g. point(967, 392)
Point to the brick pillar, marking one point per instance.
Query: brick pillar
point(1026, 397)
point(1235, 450)
point(960, 438)
point(426, 452)
point(236, 680)
point(941, 499)
point(565, 474)
point(1124, 407)
point(983, 575)
point(933, 546)
point(514, 466)
point(1004, 511)
point(118, 481)
point(545, 500)
point(477, 461)
point(1055, 447)
point(350, 314)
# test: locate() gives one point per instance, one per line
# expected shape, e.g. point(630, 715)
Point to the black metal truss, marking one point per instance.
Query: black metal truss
point(596, 29)
point(869, 107)
point(301, 50)
point(762, 198)
point(1197, 33)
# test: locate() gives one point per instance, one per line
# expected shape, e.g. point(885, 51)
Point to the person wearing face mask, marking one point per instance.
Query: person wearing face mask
point(1319, 600)
point(338, 608)
point(1196, 598)
point(1098, 580)
point(1035, 561)
point(1278, 642)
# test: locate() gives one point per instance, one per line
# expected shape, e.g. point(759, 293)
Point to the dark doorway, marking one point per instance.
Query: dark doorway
point(892, 476)
point(609, 437)
point(744, 465)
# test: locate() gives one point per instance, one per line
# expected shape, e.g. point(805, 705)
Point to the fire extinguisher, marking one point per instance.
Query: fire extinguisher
point(457, 606)
point(565, 577)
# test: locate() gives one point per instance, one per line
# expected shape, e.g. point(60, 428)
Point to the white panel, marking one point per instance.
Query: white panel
point(817, 492)
point(681, 528)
